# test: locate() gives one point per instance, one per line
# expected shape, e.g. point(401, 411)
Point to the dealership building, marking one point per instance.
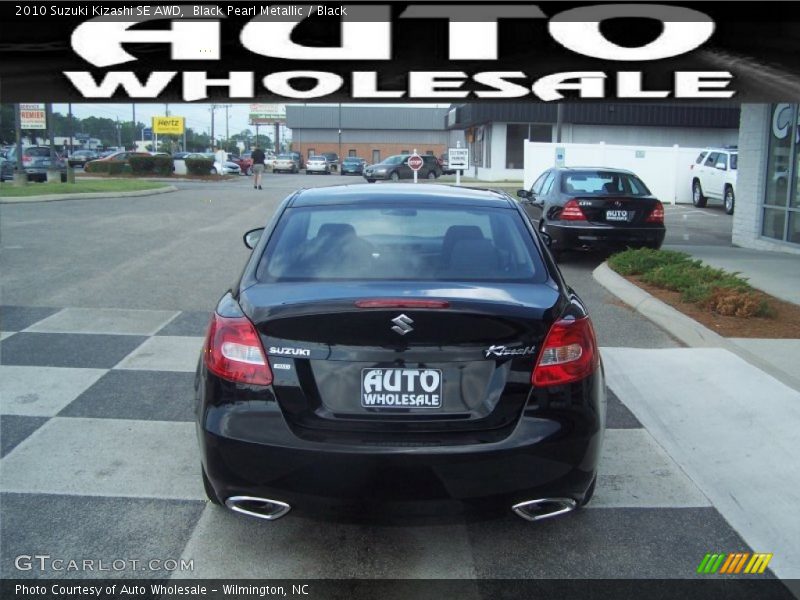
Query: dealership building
point(767, 214)
point(370, 132)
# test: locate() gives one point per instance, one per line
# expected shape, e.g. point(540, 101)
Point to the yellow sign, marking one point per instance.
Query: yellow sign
point(168, 125)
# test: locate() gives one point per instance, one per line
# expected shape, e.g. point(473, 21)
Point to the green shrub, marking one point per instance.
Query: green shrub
point(199, 166)
point(641, 260)
point(142, 164)
point(163, 165)
point(725, 293)
point(97, 166)
point(118, 168)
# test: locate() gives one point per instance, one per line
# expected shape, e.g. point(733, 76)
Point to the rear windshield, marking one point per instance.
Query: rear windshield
point(286, 157)
point(37, 152)
point(396, 243)
point(602, 183)
point(316, 158)
point(352, 160)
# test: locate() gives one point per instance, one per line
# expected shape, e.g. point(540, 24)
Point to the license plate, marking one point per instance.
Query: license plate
point(616, 215)
point(401, 388)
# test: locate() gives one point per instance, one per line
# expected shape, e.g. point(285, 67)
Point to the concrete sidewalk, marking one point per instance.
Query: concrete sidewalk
point(775, 273)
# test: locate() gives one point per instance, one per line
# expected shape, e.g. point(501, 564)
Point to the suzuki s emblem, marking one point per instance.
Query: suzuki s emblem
point(402, 324)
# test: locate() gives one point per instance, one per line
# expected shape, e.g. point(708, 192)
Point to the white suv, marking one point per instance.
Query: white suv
point(714, 176)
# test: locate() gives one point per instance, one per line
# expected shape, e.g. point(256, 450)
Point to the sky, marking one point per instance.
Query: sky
point(198, 116)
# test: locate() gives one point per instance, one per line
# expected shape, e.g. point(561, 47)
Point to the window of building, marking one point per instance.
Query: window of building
point(429, 152)
point(352, 152)
point(404, 152)
point(311, 152)
point(781, 216)
point(376, 156)
point(516, 136)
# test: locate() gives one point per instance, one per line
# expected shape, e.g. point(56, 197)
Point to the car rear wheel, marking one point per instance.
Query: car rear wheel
point(210, 493)
point(556, 253)
point(213, 170)
point(730, 200)
point(394, 176)
point(370, 181)
point(697, 195)
point(431, 175)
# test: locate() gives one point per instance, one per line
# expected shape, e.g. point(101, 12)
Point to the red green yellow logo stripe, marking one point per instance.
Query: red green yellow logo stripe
point(734, 563)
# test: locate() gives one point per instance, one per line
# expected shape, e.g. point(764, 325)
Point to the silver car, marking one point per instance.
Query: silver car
point(317, 164)
point(287, 163)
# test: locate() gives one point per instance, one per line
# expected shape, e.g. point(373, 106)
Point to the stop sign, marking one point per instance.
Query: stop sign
point(415, 162)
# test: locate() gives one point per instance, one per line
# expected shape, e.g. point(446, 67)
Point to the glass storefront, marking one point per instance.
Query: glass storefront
point(781, 216)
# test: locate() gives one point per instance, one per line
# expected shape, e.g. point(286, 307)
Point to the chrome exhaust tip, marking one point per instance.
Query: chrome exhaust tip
point(260, 508)
point(544, 508)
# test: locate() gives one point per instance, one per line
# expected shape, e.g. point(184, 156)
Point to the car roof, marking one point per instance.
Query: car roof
point(606, 169)
point(400, 193)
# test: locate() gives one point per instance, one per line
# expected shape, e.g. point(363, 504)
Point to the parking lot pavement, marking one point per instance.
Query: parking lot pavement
point(100, 454)
point(107, 303)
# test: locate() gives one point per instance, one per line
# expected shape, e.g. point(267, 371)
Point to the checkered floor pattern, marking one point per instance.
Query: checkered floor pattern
point(99, 460)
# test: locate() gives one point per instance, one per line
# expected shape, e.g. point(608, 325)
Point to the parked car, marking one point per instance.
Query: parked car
point(318, 164)
point(354, 364)
point(333, 160)
point(121, 156)
point(245, 163)
point(301, 163)
point(6, 169)
point(180, 155)
point(218, 168)
point(714, 176)
point(444, 163)
point(353, 165)
point(36, 162)
point(286, 163)
point(396, 167)
point(80, 157)
point(594, 207)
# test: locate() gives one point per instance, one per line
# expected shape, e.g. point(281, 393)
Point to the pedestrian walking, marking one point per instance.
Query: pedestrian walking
point(258, 157)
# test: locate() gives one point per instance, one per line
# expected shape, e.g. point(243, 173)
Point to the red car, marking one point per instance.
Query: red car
point(244, 161)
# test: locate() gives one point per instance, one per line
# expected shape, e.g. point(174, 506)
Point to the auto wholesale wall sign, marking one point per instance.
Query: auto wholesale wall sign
point(544, 51)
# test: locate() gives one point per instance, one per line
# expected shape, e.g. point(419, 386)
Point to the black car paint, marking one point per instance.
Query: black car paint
point(430, 169)
point(284, 442)
point(544, 210)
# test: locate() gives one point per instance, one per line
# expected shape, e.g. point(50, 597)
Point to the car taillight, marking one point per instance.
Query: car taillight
point(233, 351)
point(26, 160)
point(569, 353)
point(572, 211)
point(656, 215)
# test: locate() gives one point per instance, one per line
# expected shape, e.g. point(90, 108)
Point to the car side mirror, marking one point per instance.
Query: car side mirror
point(523, 193)
point(722, 166)
point(548, 239)
point(251, 237)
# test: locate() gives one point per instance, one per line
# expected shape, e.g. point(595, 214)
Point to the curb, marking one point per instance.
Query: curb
point(86, 195)
point(677, 324)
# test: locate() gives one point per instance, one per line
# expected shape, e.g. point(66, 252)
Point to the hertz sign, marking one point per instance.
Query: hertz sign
point(168, 125)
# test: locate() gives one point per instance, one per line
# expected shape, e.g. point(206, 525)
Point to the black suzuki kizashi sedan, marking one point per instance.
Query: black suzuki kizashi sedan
point(396, 346)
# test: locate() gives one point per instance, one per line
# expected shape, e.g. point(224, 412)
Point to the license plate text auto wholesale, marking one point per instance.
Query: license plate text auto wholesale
point(401, 388)
point(616, 215)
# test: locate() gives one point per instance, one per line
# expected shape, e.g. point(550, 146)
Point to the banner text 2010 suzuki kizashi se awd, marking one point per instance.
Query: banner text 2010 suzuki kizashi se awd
point(400, 345)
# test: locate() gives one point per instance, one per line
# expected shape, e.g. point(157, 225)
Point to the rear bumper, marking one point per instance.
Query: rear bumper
point(249, 449)
point(385, 175)
point(583, 235)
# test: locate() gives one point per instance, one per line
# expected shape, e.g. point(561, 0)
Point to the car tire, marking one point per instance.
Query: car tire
point(213, 170)
point(395, 176)
point(431, 175)
point(210, 493)
point(308, 172)
point(729, 200)
point(697, 195)
point(64, 179)
point(370, 181)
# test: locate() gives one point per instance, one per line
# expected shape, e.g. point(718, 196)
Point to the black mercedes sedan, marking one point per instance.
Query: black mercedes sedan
point(396, 347)
point(594, 207)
